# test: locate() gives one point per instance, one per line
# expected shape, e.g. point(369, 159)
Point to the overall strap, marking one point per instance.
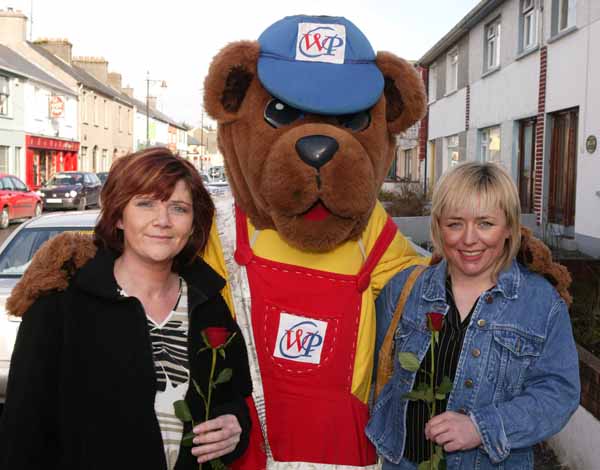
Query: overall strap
point(243, 252)
point(385, 358)
point(363, 279)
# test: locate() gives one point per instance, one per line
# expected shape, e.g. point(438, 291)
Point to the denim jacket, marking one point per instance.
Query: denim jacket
point(517, 376)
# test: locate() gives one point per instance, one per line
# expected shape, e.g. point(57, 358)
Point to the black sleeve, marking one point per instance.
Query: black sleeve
point(29, 425)
point(229, 397)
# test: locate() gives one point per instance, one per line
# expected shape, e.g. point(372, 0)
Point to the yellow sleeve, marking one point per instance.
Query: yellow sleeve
point(213, 256)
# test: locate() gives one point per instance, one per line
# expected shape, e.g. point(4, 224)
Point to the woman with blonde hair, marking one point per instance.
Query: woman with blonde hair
point(504, 339)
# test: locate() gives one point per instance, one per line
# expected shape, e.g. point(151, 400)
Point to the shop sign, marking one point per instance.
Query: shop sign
point(56, 105)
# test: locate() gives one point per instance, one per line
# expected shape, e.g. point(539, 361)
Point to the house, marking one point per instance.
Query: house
point(515, 82)
point(38, 121)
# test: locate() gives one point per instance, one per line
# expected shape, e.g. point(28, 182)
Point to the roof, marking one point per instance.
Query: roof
point(18, 65)
point(65, 219)
point(83, 77)
point(471, 19)
point(154, 113)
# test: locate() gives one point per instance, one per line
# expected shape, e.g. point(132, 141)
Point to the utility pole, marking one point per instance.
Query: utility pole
point(163, 84)
point(31, 22)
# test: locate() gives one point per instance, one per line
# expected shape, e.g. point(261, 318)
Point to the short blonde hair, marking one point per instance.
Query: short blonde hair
point(478, 186)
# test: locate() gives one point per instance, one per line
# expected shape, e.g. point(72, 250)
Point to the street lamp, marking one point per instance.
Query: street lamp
point(163, 84)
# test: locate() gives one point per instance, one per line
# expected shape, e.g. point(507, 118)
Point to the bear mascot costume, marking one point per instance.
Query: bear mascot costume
point(307, 123)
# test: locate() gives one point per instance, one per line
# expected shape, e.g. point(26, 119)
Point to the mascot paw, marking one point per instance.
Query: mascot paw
point(50, 269)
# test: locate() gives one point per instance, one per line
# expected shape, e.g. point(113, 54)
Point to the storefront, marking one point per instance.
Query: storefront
point(45, 156)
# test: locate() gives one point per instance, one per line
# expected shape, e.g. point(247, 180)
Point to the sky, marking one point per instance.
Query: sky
point(175, 40)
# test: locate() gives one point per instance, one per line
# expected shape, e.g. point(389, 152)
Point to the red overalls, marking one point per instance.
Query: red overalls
point(305, 326)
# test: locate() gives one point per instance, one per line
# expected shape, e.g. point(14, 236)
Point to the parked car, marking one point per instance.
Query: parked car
point(71, 190)
point(102, 177)
point(15, 255)
point(17, 201)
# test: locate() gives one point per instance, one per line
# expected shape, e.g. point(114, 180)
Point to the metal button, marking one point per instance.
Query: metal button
point(481, 323)
point(489, 299)
point(475, 352)
point(469, 383)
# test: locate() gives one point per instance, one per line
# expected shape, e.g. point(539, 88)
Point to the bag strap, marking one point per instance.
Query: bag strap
point(385, 358)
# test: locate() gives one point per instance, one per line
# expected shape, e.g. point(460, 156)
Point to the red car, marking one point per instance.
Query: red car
point(16, 200)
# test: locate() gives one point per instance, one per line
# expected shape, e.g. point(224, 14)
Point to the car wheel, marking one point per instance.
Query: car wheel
point(4, 218)
point(38, 210)
point(82, 204)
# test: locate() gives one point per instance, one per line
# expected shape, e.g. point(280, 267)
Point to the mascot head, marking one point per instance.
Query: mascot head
point(307, 119)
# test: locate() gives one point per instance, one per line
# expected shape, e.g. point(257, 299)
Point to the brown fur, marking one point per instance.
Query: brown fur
point(50, 269)
point(269, 180)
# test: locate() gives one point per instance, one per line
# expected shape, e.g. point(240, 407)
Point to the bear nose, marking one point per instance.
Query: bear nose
point(316, 150)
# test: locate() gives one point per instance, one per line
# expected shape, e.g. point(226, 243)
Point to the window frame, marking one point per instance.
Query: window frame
point(452, 71)
point(5, 96)
point(432, 83)
point(494, 26)
point(528, 11)
point(485, 141)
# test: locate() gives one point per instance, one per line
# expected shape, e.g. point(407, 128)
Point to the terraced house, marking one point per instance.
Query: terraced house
point(516, 82)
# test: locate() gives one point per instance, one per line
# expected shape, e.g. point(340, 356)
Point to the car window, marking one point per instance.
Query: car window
point(87, 179)
point(63, 180)
point(95, 178)
point(18, 184)
point(6, 183)
point(17, 255)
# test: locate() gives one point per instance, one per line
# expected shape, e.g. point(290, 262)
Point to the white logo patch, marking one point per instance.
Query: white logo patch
point(321, 43)
point(300, 339)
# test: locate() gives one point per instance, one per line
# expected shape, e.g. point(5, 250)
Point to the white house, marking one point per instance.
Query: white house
point(516, 82)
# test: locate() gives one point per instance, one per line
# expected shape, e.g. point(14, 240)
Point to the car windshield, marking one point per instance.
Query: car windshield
point(15, 258)
point(65, 180)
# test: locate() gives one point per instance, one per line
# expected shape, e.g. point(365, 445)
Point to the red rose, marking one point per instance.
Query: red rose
point(216, 336)
point(436, 320)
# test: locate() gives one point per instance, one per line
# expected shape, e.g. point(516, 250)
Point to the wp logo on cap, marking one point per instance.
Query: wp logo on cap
point(319, 64)
point(321, 43)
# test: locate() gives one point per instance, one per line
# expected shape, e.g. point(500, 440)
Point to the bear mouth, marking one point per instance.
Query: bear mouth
point(317, 212)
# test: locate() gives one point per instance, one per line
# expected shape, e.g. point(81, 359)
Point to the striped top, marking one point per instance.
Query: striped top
point(447, 352)
point(169, 349)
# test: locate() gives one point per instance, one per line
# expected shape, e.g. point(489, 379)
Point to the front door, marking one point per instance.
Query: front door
point(563, 168)
point(526, 164)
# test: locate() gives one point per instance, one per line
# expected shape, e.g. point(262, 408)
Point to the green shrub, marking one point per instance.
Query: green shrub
point(407, 200)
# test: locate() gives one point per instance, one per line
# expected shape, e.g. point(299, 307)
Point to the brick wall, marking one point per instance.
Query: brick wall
point(589, 371)
point(539, 138)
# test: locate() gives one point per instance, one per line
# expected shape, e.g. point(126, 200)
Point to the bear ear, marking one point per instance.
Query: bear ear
point(406, 101)
point(230, 74)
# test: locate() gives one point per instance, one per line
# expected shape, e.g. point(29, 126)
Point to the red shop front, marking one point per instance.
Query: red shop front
point(46, 156)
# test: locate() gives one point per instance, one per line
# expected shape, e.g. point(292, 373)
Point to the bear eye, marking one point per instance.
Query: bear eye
point(278, 114)
point(355, 122)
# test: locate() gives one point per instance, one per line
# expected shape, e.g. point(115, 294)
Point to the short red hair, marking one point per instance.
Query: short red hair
point(155, 172)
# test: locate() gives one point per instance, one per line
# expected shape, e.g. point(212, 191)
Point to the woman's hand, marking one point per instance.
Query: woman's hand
point(454, 431)
point(216, 437)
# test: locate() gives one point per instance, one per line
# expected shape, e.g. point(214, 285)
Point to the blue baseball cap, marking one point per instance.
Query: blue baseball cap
point(319, 64)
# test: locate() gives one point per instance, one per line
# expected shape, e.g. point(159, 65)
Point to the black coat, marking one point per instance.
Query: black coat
point(82, 383)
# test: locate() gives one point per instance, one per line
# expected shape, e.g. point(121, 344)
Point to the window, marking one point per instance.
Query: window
point(84, 108)
point(18, 184)
point(96, 116)
point(492, 45)
point(120, 118)
point(392, 174)
point(452, 143)
point(4, 94)
point(106, 114)
point(432, 83)
point(3, 159)
point(408, 156)
point(129, 121)
point(82, 158)
point(563, 15)
point(17, 161)
point(104, 164)
point(452, 71)
point(490, 144)
point(528, 25)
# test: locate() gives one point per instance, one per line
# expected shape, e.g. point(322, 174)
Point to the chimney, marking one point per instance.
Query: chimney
point(128, 91)
point(59, 47)
point(13, 26)
point(152, 102)
point(114, 80)
point(95, 66)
